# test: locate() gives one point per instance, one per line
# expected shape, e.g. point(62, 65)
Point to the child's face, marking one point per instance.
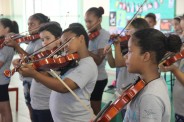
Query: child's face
point(73, 45)
point(33, 25)
point(177, 26)
point(150, 21)
point(130, 30)
point(182, 24)
point(133, 57)
point(47, 38)
point(3, 31)
point(91, 21)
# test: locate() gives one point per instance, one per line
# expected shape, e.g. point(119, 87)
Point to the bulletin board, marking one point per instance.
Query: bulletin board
point(123, 10)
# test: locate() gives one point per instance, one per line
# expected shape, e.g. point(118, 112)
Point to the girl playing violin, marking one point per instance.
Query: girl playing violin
point(39, 93)
point(177, 69)
point(6, 55)
point(34, 22)
point(63, 105)
point(124, 78)
point(146, 48)
point(93, 19)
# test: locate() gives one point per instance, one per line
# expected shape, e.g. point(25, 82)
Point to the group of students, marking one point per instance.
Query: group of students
point(48, 99)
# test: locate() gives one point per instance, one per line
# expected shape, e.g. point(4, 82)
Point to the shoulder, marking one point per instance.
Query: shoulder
point(87, 62)
point(104, 32)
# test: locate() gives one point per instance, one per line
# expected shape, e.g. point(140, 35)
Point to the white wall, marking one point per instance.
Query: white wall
point(179, 7)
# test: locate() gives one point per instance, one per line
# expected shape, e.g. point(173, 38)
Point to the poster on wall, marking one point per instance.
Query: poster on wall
point(124, 10)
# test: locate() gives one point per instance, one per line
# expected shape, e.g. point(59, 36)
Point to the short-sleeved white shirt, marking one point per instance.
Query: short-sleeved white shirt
point(99, 43)
point(64, 106)
point(152, 104)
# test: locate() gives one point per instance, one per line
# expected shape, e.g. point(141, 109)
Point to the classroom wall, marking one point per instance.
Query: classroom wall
point(20, 10)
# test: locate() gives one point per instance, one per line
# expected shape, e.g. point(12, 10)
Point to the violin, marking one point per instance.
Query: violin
point(174, 58)
point(94, 34)
point(114, 37)
point(26, 39)
point(121, 101)
point(47, 64)
point(21, 39)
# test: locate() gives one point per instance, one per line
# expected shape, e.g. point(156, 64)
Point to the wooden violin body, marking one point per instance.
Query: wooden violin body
point(114, 37)
point(121, 101)
point(174, 58)
point(94, 34)
point(48, 63)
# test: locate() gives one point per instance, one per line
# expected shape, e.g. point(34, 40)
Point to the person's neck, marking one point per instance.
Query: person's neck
point(83, 53)
point(150, 74)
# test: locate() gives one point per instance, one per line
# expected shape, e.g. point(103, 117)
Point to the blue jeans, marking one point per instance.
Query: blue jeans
point(41, 116)
point(27, 86)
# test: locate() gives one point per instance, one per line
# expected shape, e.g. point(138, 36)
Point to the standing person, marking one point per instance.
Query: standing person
point(93, 19)
point(146, 48)
point(6, 55)
point(34, 22)
point(40, 94)
point(124, 78)
point(63, 105)
point(151, 19)
point(178, 98)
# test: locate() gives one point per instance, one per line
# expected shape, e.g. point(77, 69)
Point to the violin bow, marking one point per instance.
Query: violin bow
point(82, 103)
point(135, 15)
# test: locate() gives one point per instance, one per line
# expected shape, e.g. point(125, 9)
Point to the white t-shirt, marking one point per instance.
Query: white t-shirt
point(99, 43)
point(64, 106)
point(40, 96)
point(152, 104)
point(178, 93)
point(6, 56)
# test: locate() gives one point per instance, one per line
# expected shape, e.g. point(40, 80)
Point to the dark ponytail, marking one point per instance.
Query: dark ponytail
point(97, 11)
point(152, 40)
point(12, 25)
point(173, 43)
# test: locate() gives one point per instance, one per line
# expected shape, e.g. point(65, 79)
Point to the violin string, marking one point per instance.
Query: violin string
point(60, 47)
point(97, 23)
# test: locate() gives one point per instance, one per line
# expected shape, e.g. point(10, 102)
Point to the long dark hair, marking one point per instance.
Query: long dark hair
point(12, 25)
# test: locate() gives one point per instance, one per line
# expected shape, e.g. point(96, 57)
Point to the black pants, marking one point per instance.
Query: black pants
point(179, 118)
point(42, 116)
